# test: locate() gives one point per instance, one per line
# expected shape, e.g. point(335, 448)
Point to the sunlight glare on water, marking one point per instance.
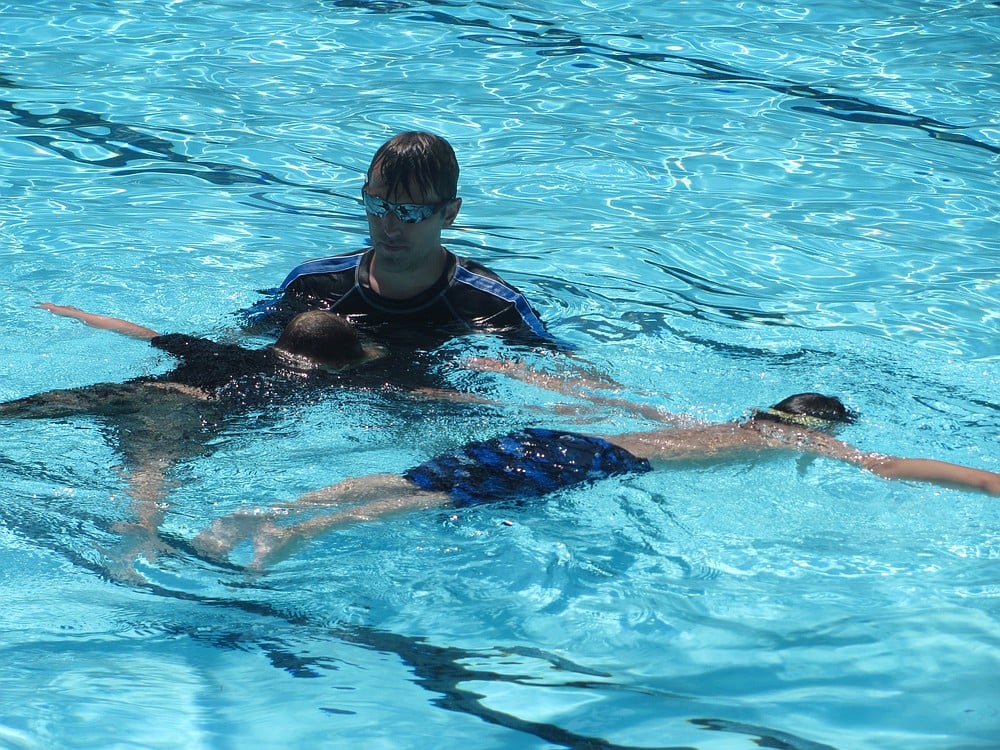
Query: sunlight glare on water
point(717, 205)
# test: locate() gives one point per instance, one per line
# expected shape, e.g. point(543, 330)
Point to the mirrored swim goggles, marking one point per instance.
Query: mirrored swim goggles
point(408, 213)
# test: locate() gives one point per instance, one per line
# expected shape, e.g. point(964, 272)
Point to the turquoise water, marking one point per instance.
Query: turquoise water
point(718, 205)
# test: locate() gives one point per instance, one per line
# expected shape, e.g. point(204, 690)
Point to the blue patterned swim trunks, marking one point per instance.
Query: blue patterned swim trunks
point(525, 464)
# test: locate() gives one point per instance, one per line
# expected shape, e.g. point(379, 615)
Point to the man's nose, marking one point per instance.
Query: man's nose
point(391, 222)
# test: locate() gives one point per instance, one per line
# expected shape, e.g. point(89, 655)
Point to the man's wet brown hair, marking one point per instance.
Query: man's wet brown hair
point(418, 160)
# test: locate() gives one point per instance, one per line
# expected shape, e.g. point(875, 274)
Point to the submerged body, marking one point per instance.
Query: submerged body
point(158, 421)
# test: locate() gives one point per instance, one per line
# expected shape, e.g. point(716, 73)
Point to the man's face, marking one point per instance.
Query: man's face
point(401, 246)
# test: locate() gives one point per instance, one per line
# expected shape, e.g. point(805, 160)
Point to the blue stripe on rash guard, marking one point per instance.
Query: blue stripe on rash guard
point(334, 264)
point(465, 276)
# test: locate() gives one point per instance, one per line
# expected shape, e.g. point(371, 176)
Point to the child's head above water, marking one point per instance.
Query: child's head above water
point(323, 338)
point(813, 410)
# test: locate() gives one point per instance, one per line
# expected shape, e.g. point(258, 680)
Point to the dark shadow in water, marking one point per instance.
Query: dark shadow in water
point(125, 144)
point(765, 737)
point(437, 669)
point(555, 42)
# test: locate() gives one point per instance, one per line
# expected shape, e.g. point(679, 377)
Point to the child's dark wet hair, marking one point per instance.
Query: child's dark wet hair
point(322, 337)
point(812, 410)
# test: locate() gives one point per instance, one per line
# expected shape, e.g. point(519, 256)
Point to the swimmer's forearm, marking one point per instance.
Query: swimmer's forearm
point(579, 384)
point(443, 394)
point(104, 322)
point(566, 384)
point(937, 472)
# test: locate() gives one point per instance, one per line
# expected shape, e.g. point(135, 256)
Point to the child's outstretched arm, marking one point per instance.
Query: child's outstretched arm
point(930, 470)
point(914, 469)
point(106, 322)
point(730, 439)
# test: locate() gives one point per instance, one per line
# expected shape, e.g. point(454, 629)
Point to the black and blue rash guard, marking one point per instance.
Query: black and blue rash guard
point(468, 296)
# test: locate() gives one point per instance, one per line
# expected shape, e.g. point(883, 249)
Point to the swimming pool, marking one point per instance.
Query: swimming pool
point(718, 205)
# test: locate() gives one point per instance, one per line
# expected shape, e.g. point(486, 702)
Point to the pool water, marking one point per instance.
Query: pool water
point(716, 205)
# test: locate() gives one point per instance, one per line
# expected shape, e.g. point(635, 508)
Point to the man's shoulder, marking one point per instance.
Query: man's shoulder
point(475, 277)
point(478, 269)
point(481, 296)
point(332, 264)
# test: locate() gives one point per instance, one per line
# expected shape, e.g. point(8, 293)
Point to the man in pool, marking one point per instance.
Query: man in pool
point(407, 279)
point(532, 463)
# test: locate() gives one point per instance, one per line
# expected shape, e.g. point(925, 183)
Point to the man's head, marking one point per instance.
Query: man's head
point(410, 195)
point(323, 338)
point(421, 166)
